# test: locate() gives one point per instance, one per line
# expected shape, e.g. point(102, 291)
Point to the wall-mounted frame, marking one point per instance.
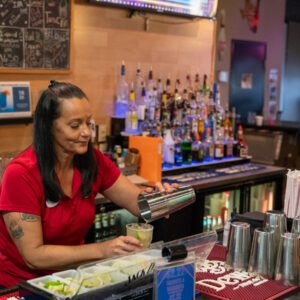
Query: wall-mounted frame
point(35, 36)
point(15, 100)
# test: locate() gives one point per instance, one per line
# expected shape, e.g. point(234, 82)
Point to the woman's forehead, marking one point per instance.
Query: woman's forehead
point(74, 107)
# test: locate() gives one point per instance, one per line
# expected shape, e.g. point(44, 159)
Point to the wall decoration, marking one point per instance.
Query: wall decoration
point(250, 13)
point(35, 35)
point(247, 81)
point(15, 100)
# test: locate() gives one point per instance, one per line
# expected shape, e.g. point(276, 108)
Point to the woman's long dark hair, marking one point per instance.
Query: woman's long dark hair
point(47, 110)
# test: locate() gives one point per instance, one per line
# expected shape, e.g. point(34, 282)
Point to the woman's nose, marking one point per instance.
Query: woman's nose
point(86, 130)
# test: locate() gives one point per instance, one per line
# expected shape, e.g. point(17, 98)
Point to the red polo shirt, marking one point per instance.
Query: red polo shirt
point(67, 223)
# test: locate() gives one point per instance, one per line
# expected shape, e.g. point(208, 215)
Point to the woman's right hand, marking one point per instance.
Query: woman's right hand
point(120, 245)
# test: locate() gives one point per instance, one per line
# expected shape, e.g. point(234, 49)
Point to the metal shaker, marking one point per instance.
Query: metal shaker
point(276, 220)
point(238, 247)
point(288, 259)
point(262, 255)
point(159, 204)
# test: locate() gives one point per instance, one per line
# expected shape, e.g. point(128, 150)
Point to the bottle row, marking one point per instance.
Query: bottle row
point(106, 226)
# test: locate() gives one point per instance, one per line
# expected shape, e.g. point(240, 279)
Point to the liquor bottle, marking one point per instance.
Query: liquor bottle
point(229, 141)
point(200, 121)
point(138, 85)
point(178, 86)
point(131, 122)
point(233, 122)
point(197, 150)
point(112, 226)
point(150, 82)
point(177, 146)
point(205, 90)
point(219, 144)
point(122, 103)
point(164, 114)
point(168, 86)
point(169, 144)
point(197, 86)
point(189, 85)
point(186, 148)
point(178, 106)
point(208, 146)
point(227, 122)
point(160, 88)
point(105, 226)
point(98, 228)
point(156, 103)
point(146, 125)
point(241, 148)
point(141, 108)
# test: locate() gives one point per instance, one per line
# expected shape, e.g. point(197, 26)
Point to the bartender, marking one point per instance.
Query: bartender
point(47, 193)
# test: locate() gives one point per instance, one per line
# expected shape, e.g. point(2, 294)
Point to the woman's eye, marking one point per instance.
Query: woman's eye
point(74, 126)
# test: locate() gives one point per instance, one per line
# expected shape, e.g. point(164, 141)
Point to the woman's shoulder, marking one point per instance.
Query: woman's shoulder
point(25, 160)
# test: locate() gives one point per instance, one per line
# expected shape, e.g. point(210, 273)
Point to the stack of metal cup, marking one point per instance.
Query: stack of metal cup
point(275, 253)
point(238, 247)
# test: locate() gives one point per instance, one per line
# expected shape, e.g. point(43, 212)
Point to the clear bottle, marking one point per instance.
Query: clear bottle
point(177, 146)
point(168, 86)
point(150, 82)
point(219, 144)
point(169, 145)
point(197, 86)
point(141, 109)
point(122, 103)
point(138, 84)
point(160, 88)
point(131, 122)
point(208, 146)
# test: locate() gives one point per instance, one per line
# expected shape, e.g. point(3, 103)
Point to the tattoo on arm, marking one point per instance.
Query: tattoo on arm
point(15, 230)
point(29, 217)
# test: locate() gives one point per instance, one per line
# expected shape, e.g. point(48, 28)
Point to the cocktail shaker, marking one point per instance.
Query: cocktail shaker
point(238, 247)
point(159, 204)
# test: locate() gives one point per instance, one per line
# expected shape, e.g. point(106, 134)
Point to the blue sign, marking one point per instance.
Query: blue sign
point(176, 282)
point(15, 99)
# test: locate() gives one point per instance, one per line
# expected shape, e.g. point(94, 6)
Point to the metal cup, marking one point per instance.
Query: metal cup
point(159, 204)
point(296, 225)
point(288, 260)
point(238, 247)
point(276, 220)
point(262, 255)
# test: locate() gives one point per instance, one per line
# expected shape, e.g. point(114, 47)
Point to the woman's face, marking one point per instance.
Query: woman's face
point(72, 130)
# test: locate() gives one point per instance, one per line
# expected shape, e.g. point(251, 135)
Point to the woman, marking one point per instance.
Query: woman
point(47, 193)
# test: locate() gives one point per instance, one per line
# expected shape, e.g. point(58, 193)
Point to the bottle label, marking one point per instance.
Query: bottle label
point(219, 151)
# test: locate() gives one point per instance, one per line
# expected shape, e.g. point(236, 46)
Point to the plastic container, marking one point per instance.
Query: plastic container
point(57, 286)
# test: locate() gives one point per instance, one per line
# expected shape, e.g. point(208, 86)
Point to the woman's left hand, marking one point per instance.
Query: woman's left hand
point(163, 187)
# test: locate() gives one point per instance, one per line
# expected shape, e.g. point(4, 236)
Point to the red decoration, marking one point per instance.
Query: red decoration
point(251, 14)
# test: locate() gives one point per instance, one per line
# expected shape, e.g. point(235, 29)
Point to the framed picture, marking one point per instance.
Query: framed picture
point(15, 100)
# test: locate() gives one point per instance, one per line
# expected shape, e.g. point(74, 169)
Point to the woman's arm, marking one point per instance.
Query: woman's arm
point(26, 232)
point(125, 194)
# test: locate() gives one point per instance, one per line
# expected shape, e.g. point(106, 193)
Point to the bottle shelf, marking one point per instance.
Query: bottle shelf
point(205, 164)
